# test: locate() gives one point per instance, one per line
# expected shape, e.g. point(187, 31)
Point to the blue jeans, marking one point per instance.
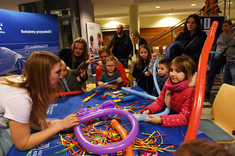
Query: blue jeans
point(6, 142)
point(216, 65)
point(124, 62)
point(229, 73)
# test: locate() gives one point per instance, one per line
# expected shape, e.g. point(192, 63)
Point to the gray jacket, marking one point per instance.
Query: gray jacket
point(230, 52)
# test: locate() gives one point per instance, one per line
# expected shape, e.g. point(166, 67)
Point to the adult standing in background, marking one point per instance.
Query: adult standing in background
point(137, 41)
point(228, 75)
point(75, 56)
point(216, 64)
point(122, 46)
point(192, 38)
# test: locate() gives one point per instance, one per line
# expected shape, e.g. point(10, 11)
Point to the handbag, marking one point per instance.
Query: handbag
point(222, 56)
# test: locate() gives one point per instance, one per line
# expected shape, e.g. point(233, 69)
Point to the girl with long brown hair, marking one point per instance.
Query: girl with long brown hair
point(144, 78)
point(24, 100)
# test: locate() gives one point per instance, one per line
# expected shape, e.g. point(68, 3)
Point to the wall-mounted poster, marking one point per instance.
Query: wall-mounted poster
point(21, 34)
point(95, 41)
point(207, 22)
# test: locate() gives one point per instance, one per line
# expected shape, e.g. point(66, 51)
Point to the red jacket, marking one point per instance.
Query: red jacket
point(181, 103)
point(100, 69)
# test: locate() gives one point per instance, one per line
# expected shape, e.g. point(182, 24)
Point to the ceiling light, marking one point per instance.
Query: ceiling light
point(193, 4)
point(157, 7)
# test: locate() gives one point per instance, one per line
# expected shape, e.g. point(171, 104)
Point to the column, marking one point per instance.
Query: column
point(134, 18)
point(133, 25)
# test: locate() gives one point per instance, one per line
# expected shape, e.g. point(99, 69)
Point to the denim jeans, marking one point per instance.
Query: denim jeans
point(229, 73)
point(216, 65)
point(6, 142)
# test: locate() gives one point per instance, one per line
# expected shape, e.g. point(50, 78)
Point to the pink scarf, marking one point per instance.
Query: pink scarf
point(176, 86)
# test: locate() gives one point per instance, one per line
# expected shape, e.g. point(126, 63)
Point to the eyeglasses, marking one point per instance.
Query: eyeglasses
point(110, 66)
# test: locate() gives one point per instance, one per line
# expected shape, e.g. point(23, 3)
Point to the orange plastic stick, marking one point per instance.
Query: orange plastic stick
point(200, 87)
point(116, 125)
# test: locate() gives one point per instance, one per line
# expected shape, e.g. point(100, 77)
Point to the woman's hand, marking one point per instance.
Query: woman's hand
point(90, 60)
point(154, 119)
point(70, 121)
point(83, 73)
point(147, 111)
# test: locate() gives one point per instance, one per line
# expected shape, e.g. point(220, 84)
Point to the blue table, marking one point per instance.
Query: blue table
point(67, 105)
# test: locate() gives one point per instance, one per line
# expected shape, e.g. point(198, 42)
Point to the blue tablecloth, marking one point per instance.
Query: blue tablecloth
point(67, 105)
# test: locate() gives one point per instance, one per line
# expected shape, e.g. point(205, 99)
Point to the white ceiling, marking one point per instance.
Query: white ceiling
point(120, 8)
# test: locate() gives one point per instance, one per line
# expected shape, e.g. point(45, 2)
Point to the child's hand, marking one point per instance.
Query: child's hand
point(119, 80)
point(114, 87)
point(90, 60)
point(110, 87)
point(147, 73)
point(154, 119)
point(154, 56)
point(101, 84)
point(147, 111)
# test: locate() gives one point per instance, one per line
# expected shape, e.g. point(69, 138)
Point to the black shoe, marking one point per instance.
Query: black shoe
point(207, 95)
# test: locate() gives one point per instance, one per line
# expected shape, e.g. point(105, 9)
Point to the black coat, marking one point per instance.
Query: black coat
point(195, 48)
point(143, 82)
point(142, 41)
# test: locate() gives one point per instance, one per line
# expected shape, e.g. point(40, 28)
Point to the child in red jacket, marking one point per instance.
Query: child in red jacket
point(177, 94)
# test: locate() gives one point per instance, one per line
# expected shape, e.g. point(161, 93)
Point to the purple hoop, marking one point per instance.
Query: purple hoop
point(106, 149)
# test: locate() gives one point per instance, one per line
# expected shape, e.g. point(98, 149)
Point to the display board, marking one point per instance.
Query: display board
point(95, 41)
point(21, 34)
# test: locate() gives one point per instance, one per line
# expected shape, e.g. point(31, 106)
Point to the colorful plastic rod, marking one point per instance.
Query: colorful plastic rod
point(116, 125)
point(200, 85)
point(142, 117)
point(105, 84)
point(69, 93)
point(139, 93)
point(98, 91)
point(126, 98)
point(155, 76)
point(106, 149)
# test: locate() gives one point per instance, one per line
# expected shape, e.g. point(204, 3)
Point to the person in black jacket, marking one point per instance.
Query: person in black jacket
point(143, 77)
point(75, 56)
point(137, 41)
point(122, 46)
point(193, 37)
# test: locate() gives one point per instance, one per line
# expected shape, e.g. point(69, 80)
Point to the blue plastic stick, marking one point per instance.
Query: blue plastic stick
point(142, 117)
point(155, 76)
point(105, 84)
point(128, 98)
point(139, 93)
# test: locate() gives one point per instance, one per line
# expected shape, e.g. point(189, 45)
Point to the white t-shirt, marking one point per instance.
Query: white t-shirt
point(15, 104)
